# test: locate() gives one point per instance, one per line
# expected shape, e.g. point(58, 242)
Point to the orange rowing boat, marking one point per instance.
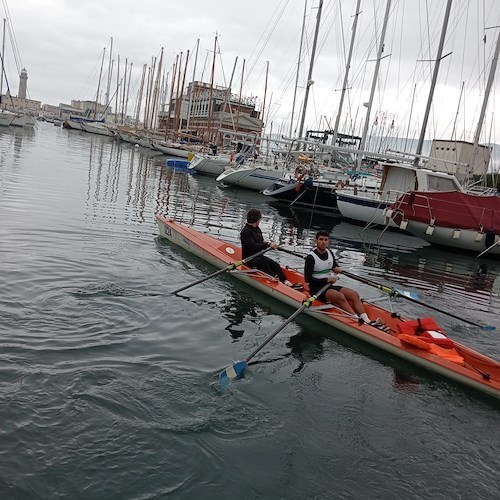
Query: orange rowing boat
point(420, 341)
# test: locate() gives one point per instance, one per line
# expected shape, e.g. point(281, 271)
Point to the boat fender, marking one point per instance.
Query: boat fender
point(450, 354)
point(427, 330)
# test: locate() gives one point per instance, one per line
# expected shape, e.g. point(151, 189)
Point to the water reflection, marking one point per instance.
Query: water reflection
point(458, 280)
point(12, 140)
point(305, 346)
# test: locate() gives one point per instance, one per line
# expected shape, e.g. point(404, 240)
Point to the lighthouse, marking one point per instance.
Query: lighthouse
point(23, 82)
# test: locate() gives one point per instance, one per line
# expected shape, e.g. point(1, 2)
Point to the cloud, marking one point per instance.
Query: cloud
point(60, 43)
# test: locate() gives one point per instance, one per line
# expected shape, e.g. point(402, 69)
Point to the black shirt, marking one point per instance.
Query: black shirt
point(252, 241)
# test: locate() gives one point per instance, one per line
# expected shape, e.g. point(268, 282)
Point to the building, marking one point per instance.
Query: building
point(20, 104)
point(207, 112)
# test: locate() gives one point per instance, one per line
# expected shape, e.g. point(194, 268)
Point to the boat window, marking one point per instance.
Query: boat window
point(436, 183)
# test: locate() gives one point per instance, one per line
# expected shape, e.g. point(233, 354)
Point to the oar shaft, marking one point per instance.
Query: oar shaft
point(230, 267)
point(307, 303)
point(201, 280)
point(291, 252)
point(411, 299)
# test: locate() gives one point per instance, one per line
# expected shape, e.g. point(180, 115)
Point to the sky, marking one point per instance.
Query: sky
point(61, 43)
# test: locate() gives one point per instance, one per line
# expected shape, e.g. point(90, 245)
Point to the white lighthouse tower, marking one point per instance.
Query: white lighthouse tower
point(23, 83)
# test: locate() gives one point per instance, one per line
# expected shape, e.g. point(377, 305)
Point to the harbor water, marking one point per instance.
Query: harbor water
point(108, 383)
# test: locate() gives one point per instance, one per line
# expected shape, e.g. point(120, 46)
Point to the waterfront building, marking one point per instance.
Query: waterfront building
point(207, 112)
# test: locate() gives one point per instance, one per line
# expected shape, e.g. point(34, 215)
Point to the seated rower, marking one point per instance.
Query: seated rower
point(252, 242)
point(319, 268)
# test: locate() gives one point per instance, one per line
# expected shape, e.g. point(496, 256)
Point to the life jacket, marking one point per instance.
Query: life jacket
point(322, 268)
point(426, 329)
point(426, 334)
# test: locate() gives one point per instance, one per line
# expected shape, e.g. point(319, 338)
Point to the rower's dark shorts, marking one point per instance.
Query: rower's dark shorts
point(322, 297)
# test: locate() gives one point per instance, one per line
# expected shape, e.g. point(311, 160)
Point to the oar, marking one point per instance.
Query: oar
point(396, 293)
point(232, 266)
point(405, 293)
point(237, 369)
point(489, 248)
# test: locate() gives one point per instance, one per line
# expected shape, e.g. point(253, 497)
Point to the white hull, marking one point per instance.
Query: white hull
point(6, 118)
point(170, 150)
point(96, 128)
point(24, 121)
point(210, 165)
point(254, 178)
point(368, 208)
point(463, 239)
point(72, 125)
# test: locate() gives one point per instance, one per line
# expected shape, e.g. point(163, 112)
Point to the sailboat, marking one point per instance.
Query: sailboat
point(456, 219)
point(16, 118)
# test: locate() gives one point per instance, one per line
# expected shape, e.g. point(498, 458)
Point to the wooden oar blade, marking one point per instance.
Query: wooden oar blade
point(233, 372)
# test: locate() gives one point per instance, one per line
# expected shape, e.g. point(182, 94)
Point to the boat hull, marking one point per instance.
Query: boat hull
point(221, 254)
point(458, 220)
point(254, 178)
point(210, 165)
point(320, 198)
point(455, 238)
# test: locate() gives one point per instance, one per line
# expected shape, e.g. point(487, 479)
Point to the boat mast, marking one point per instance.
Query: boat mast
point(128, 89)
point(239, 99)
point(156, 91)
point(180, 98)
point(190, 104)
point(172, 85)
point(125, 74)
point(3, 57)
point(298, 68)
point(433, 83)
point(374, 82)
point(311, 65)
point(99, 83)
point(265, 95)
point(139, 99)
point(227, 103)
point(117, 93)
point(489, 84)
point(210, 94)
point(346, 76)
point(108, 87)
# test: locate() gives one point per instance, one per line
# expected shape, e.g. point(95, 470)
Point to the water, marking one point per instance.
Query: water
point(108, 384)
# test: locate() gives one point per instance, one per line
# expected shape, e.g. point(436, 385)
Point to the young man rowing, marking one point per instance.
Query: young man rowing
point(252, 241)
point(319, 268)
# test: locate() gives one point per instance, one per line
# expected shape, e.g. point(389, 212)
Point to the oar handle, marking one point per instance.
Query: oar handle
point(307, 303)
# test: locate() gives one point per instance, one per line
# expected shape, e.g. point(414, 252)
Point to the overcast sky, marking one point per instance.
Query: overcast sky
point(61, 42)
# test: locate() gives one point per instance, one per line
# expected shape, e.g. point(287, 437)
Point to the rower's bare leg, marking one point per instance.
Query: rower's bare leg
point(355, 300)
point(336, 297)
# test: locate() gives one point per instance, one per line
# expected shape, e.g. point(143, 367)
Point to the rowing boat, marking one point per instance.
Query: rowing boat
point(420, 341)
